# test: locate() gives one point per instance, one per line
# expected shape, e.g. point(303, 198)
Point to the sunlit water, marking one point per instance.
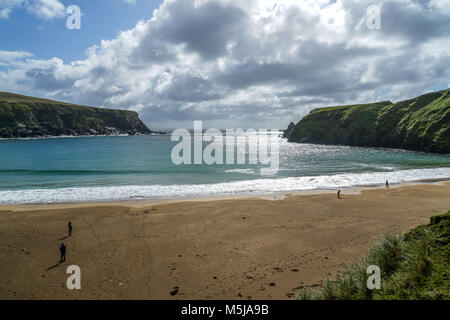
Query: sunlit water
point(140, 167)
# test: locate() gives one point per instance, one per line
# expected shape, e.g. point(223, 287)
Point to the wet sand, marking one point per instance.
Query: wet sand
point(239, 248)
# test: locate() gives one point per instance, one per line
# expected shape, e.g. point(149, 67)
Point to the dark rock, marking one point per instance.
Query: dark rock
point(287, 133)
point(5, 133)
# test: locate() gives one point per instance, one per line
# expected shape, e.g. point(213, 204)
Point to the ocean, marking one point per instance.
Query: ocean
point(89, 169)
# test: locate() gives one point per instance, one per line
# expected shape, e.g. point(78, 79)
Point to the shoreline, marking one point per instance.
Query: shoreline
point(238, 248)
point(277, 196)
point(84, 136)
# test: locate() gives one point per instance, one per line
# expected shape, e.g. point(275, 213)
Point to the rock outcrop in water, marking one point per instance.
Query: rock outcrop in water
point(288, 132)
point(419, 124)
point(24, 117)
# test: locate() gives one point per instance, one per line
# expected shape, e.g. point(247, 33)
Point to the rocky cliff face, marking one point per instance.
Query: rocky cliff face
point(288, 132)
point(22, 117)
point(420, 124)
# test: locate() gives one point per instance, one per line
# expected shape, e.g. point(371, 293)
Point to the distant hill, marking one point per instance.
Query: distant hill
point(22, 117)
point(420, 124)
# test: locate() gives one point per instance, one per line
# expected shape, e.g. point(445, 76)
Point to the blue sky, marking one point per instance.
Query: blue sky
point(102, 19)
point(244, 64)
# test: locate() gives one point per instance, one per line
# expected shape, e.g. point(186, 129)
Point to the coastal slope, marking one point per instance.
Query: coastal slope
point(419, 124)
point(24, 117)
point(413, 266)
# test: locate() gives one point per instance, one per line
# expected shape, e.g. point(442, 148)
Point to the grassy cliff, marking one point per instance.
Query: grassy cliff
point(421, 124)
point(413, 266)
point(22, 116)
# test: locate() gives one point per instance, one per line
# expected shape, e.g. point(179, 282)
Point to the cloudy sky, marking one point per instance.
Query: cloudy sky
point(252, 63)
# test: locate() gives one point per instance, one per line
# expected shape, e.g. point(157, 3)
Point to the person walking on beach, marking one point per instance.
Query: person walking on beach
point(70, 228)
point(62, 249)
point(387, 184)
point(339, 194)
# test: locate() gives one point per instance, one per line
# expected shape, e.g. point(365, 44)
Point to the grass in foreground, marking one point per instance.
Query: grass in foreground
point(413, 266)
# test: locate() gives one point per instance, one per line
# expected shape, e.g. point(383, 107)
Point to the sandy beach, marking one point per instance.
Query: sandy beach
point(239, 248)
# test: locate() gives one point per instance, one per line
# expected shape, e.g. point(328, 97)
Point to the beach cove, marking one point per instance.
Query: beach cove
point(235, 248)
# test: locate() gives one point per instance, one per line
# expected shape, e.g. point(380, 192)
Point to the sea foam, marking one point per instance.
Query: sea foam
point(247, 187)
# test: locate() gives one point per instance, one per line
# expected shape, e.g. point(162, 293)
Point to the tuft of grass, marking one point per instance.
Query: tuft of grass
point(413, 266)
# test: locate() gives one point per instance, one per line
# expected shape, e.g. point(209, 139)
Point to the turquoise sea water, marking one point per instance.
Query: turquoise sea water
point(140, 167)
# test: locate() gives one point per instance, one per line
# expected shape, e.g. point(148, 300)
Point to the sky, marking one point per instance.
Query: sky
point(233, 64)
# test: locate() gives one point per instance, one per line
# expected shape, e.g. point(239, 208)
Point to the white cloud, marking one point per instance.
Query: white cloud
point(6, 6)
point(441, 5)
point(251, 63)
point(11, 56)
point(44, 9)
point(47, 9)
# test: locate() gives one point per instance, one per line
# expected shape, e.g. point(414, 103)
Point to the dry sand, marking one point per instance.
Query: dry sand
point(238, 248)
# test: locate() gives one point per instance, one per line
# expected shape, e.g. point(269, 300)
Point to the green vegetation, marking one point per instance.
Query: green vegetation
point(421, 124)
point(22, 116)
point(413, 266)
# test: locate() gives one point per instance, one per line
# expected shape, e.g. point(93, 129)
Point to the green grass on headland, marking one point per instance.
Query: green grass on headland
point(413, 266)
point(420, 124)
point(23, 117)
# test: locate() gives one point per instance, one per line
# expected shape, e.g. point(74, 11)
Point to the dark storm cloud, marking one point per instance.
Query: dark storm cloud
point(205, 30)
point(253, 73)
point(179, 112)
point(314, 64)
point(417, 26)
point(188, 88)
point(152, 49)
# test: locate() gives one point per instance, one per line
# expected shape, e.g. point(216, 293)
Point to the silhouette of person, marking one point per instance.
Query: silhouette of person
point(339, 194)
point(387, 184)
point(70, 228)
point(62, 249)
